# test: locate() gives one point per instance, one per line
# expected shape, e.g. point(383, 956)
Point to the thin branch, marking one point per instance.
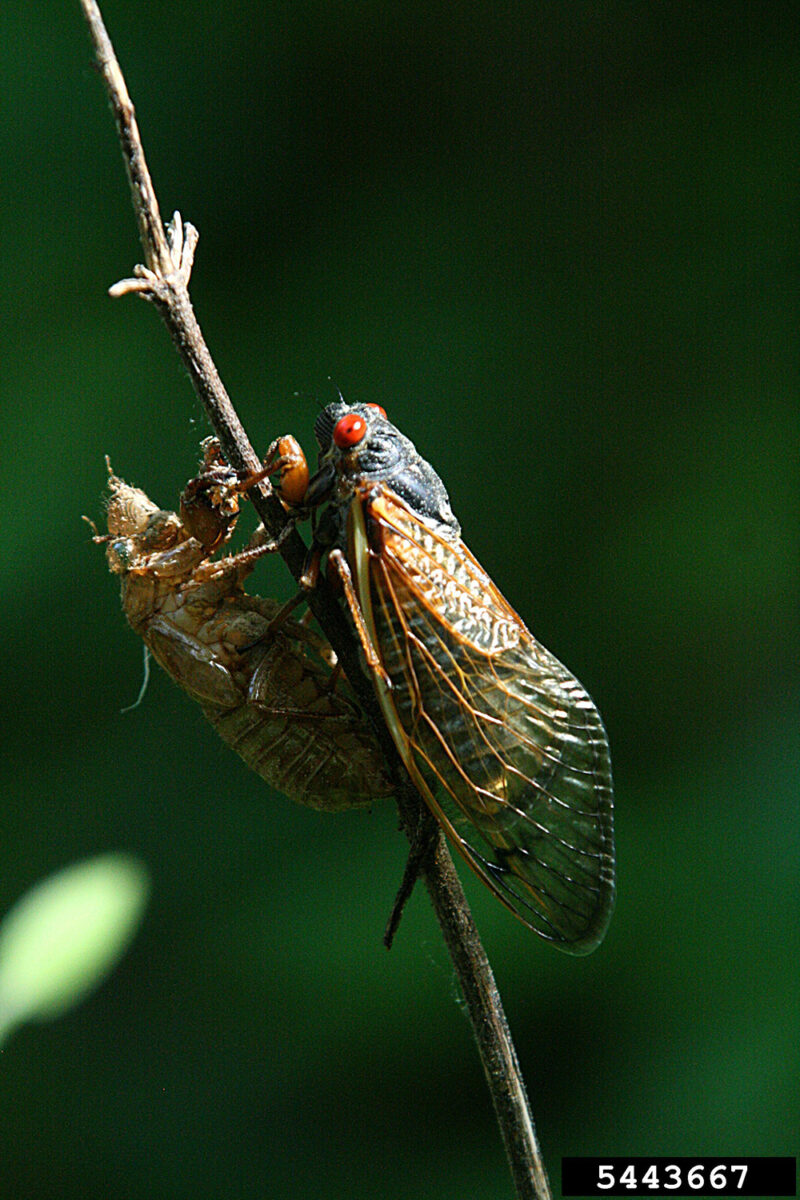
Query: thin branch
point(498, 1055)
point(164, 280)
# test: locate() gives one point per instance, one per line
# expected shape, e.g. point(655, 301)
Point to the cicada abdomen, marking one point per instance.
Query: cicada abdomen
point(266, 688)
point(503, 743)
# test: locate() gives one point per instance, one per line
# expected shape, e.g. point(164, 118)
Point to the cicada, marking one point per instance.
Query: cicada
point(263, 680)
point(503, 743)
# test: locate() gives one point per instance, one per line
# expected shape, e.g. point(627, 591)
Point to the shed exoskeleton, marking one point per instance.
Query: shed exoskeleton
point(263, 679)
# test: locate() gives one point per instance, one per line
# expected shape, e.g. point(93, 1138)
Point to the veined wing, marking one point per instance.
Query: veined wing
point(501, 739)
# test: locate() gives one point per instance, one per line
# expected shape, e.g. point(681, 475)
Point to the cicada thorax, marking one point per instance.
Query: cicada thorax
point(502, 741)
point(264, 682)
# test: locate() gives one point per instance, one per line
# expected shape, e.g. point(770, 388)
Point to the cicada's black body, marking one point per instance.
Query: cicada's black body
point(504, 744)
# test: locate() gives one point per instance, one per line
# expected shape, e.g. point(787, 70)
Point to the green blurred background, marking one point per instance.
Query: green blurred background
point(559, 243)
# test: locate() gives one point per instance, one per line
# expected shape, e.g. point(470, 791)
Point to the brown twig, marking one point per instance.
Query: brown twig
point(164, 280)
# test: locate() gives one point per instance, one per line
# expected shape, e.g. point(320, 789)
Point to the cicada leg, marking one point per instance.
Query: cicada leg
point(339, 563)
point(285, 611)
point(242, 562)
point(308, 579)
point(286, 460)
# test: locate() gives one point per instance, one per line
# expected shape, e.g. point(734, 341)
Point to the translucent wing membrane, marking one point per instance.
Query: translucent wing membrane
point(502, 740)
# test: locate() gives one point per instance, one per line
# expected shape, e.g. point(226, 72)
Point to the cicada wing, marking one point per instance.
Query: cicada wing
point(502, 740)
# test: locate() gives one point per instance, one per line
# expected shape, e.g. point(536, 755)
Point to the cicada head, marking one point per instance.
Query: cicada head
point(128, 509)
point(136, 525)
point(359, 445)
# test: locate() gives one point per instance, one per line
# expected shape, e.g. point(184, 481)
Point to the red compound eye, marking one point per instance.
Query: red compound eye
point(349, 430)
point(378, 408)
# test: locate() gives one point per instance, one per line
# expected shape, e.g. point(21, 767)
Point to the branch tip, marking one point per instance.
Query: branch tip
point(126, 287)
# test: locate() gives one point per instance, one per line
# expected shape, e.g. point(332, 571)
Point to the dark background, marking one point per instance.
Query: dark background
point(559, 244)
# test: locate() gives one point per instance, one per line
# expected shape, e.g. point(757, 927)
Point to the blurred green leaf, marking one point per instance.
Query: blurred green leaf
point(65, 935)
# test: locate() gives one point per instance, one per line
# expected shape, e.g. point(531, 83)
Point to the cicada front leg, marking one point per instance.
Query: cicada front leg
point(286, 462)
point(340, 565)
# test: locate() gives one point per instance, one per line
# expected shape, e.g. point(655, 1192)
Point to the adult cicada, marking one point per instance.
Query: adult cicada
point(504, 744)
point(263, 680)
